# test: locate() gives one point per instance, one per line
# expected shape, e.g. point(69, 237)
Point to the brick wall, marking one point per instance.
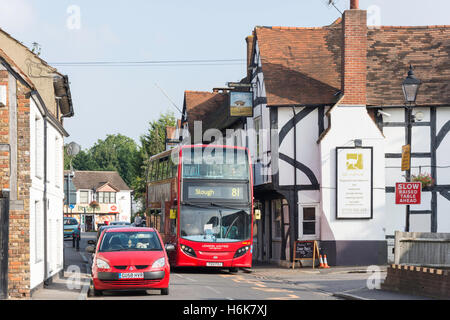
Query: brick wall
point(4, 135)
point(418, 280)
point(354, 57)
point(19, 215)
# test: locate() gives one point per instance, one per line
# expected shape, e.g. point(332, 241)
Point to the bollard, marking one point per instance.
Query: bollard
point(78, 243)
point(73, 241)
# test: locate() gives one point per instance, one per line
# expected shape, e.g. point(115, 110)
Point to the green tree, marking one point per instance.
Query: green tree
point(152, 143)
point(122, 154)
point(117, 153)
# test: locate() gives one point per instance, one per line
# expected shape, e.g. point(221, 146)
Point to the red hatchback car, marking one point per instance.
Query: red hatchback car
point(130, 259)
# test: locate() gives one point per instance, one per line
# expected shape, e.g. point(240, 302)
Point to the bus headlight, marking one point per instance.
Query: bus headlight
point(188, 250)
point(241, 251)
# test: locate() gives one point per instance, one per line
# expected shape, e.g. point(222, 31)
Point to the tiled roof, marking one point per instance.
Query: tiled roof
point(392, 49)
point(302, 66)
point(209, 107)
point(96, 179)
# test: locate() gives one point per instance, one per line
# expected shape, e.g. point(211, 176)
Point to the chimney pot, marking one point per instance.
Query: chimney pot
point(354, 4)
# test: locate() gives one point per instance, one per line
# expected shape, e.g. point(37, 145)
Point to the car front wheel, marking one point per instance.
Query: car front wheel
point(92, 292)
point(165, 291)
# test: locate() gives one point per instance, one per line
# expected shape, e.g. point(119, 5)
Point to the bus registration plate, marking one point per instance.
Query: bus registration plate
point(131, 275)
point(214, 264)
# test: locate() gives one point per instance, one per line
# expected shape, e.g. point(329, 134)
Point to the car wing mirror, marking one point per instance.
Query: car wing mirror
point(90, 249)
point(170, 247)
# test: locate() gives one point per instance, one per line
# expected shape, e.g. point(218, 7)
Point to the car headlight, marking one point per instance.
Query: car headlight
point(159, 263)
point(102, 264)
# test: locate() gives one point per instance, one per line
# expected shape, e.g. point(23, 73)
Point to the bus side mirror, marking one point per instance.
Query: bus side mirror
point(257, 214)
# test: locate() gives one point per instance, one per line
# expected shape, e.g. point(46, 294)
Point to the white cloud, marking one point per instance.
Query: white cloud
point(16, 16)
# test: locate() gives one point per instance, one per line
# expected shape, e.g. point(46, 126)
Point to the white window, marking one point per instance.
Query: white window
point(39, 231)
point(84, 196)
point(39, 147)
point(58, 162)
point(107, 197)
point(308, 222)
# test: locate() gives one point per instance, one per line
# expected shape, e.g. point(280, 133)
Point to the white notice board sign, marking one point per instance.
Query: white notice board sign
point(354, 183)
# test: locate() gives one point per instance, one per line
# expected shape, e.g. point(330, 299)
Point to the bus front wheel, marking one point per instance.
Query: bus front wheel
point(234, 270)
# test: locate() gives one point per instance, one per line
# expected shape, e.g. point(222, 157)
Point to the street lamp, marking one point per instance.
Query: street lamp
point(410, 87)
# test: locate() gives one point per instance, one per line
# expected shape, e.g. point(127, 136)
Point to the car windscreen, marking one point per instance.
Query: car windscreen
point(130, 241)
point(70, 222)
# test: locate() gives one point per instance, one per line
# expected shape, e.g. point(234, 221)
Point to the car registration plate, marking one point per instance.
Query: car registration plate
point(214, 264)
point(68, 230)
point(131, 275)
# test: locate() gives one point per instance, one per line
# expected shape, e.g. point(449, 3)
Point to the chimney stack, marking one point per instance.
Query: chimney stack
point(354, 4)
point(354, 56)
point(249, 41)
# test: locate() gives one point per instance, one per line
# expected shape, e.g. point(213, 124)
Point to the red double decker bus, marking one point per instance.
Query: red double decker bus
point(200, 198)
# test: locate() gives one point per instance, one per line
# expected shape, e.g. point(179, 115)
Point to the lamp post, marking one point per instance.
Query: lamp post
point(410, 87)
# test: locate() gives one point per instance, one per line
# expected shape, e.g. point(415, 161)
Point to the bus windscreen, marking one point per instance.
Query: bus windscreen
point(215, 163)
point(202, 224)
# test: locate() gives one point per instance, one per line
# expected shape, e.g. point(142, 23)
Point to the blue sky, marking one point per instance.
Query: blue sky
point(109, 100)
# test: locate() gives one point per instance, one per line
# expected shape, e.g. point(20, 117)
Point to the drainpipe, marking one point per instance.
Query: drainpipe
point(45, 200)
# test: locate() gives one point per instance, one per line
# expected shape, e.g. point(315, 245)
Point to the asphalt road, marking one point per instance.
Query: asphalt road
point(260, 284)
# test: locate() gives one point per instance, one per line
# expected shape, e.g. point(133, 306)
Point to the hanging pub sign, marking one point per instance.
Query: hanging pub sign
point(241, 104)
point(354, 183)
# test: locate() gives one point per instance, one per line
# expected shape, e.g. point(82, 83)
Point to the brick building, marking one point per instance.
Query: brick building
point(34, 99)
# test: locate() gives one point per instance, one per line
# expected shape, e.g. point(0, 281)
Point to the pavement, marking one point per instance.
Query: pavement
point(74, 283)
point(349, 283)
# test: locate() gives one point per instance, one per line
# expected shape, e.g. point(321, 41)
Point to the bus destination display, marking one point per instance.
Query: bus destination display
point(231, 192)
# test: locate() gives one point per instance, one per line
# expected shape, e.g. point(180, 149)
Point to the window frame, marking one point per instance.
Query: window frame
point(87, 197)
point(316, 235)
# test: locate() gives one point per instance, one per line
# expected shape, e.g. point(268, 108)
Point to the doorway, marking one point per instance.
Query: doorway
point(89, 223)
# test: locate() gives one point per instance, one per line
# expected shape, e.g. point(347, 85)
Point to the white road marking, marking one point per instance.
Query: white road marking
point(212, 289)
point(184, 277)
point(84, 257)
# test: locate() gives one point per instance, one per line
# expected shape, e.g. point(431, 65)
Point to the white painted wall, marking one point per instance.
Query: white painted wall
point(262, 166)
point(421, 142)
point(124, 201)
point(347, 124)
point(55, 196)
point(443, 170)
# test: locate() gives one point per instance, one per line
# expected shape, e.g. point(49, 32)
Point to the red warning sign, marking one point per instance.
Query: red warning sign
point(408, 193)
